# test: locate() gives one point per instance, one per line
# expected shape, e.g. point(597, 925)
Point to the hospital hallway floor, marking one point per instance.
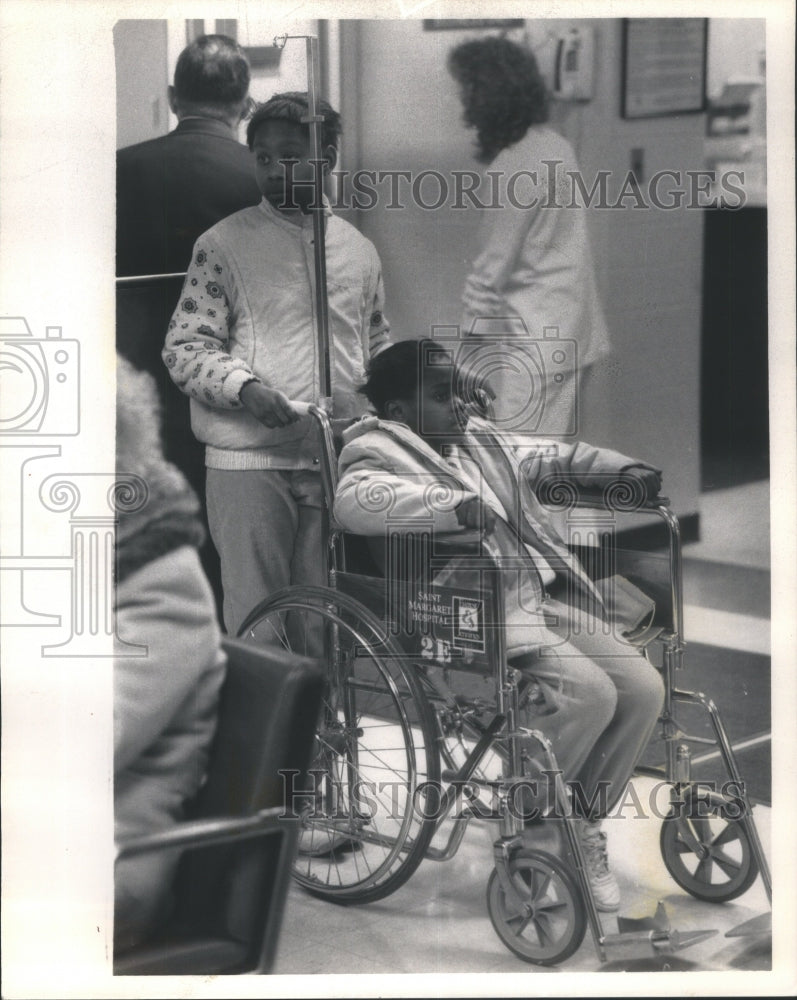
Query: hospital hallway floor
point(438, 921)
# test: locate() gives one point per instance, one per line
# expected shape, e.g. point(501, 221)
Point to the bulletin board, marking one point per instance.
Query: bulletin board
point(664, 66)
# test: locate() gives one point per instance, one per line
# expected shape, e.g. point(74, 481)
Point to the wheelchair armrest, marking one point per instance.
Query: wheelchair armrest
point(618, 492)
point(473, 543)
point(467, 538)
point(597, 501)
point(194, 834)
point(231, 923)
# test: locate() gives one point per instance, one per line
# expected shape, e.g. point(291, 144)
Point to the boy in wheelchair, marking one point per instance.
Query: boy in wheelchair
point(597, 699)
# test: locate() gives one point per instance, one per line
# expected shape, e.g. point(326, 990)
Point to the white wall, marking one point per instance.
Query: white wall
point(401, 111)
point(646, 399)
point(141, 53)
point(736, 49)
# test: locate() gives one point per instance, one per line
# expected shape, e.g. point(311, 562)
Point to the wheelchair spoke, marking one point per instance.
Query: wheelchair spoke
point(730, 867)
point(704, 868)
point(549, 926)
point(550, 905)
point(682, 847)
point(544, 929)
point(524, 883)
point(375, 742)
point(542, 889)
point(701, 828)
point(718, 864)
point(726, 836)
point(522, 920)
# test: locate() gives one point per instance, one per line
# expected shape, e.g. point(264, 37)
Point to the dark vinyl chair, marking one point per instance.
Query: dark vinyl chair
point(239, 846)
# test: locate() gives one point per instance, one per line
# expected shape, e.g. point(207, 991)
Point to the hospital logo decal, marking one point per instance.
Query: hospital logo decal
point(468, 623)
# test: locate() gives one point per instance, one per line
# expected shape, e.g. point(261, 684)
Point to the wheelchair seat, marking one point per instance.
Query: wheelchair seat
point(232, 879)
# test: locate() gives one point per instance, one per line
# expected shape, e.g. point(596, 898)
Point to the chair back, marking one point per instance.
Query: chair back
point(230, 897)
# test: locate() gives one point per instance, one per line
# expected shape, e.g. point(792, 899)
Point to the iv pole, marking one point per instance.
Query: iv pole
point(315, 121)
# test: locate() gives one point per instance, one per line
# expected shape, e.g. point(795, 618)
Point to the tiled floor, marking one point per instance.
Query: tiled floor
point(438, 921)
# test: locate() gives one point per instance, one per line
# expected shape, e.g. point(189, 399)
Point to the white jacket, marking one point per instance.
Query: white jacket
point(534, 259)
point(390, 476)
point(247, 309)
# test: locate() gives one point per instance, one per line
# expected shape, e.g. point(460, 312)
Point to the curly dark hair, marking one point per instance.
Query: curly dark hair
point(293, 106)
point(396, 372)
point(502, 91)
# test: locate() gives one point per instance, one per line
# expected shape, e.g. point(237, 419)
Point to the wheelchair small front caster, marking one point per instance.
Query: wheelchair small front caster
point(546, 921)
point(706, 848)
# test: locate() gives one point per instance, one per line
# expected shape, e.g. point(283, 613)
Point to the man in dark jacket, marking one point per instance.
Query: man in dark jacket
point(172, 189)
point(169, 191)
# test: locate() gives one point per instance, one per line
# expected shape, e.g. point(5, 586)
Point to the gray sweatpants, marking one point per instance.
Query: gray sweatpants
point(266, 526)
point(601, 701)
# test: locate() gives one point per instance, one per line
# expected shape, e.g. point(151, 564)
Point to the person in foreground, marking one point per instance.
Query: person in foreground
point(167, 680)
point(598, 698)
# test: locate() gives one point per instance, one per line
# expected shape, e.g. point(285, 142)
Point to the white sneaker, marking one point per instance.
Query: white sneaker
point(605, 889)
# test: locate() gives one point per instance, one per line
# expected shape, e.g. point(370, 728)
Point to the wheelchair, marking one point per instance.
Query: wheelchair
point(422, 731)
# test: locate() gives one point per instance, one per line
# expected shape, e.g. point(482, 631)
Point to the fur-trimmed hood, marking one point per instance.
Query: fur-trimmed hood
point(169, 515)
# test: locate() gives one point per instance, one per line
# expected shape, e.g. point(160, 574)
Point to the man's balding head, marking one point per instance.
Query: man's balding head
point(211, 79)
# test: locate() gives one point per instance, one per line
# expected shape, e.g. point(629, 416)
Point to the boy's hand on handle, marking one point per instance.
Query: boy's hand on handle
point(270, 406)
point(474, 513)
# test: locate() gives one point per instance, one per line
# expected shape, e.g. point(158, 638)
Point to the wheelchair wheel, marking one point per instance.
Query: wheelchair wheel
point(550, 925)
point(706, 848)
point(364, 827)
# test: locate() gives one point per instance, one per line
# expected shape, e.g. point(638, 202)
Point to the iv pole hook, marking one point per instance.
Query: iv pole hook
point(315, 121)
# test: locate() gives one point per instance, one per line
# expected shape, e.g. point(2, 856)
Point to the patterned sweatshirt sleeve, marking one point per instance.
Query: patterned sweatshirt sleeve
point(196, 350)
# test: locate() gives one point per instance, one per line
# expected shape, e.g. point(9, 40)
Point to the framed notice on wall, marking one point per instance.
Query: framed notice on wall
point(664, 66)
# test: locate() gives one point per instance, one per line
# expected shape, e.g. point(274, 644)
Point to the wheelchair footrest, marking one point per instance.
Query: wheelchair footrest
point(650, 935)
point(760, 925)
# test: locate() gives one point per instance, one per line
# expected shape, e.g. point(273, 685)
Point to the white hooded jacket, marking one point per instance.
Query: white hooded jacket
point(390, 476)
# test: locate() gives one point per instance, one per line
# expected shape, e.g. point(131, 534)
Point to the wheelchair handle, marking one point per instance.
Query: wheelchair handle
point(302, 408)
point(327, 460)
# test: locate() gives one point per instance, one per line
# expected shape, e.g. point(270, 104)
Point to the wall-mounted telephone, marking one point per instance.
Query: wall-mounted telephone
point(574, 65)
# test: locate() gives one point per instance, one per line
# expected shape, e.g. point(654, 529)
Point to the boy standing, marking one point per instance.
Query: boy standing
point(599, 698)
point(242, 344)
